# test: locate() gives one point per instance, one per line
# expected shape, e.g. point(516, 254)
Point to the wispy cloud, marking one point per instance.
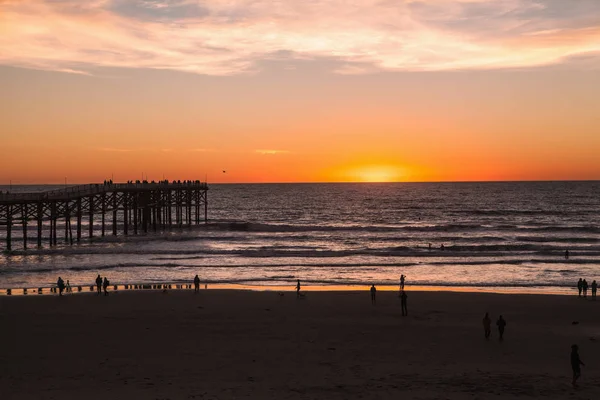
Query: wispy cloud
point(114, 150)
point(201, 150)
point(222, 37)
point(272, 152)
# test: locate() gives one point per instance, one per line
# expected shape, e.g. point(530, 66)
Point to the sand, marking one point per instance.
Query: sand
point(226, 344)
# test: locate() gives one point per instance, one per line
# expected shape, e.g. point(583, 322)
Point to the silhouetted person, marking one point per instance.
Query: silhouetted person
point(298, 288)
point(99, 284)
point(61, 286)
point(576, 363)
point(594, 289)
point(402, 278)
point(68, 287)
point(566, 254)
point(105, 285)
point(487, 325)
point(580, 286)
point(403, 301)
point(373, 293)
point(429, 246)
point(196, 284)
point(501, 325)
point(585, 288)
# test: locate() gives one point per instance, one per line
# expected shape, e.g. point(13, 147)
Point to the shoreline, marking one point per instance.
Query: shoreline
point(306, 287)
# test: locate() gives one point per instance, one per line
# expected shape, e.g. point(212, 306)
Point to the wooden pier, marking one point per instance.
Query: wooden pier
point(126, 208)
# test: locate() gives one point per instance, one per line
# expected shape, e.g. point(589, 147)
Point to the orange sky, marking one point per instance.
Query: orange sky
point(457, 91)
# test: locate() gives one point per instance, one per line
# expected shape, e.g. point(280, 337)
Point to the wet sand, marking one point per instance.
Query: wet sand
point(226, 344)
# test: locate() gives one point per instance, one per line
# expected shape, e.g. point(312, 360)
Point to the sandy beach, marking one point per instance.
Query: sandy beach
point(222, 344)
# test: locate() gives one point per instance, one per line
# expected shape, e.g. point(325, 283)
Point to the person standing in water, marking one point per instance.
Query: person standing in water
point(402, 278)
point(594, 289)
point(105, 285)
point(566, 254)
point(585, 288)
point(373, 293)
point(403, 303)
point(68, 287)
point(298, 288)
point(501, 325)
point(580, 286)
point(99, 284)
point(196, 284)
point(487, 325)
point(576, 363)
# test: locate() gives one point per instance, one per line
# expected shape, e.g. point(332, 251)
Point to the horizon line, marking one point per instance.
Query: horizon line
point(322, 182)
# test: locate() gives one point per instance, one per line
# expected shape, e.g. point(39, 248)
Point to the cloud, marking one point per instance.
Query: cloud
point(114, 150)
point(223, 37)
point(272, 152)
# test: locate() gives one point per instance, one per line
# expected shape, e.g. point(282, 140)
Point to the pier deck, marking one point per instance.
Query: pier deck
point(119, 207)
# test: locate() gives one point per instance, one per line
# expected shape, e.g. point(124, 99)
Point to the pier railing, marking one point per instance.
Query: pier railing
point(96, 188)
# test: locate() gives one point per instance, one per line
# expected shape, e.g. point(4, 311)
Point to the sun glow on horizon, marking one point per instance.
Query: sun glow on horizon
point(377, 173)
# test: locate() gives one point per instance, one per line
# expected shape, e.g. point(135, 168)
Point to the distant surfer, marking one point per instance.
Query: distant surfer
point(566, 254)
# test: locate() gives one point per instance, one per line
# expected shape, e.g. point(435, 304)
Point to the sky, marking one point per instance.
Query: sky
point(299, 91)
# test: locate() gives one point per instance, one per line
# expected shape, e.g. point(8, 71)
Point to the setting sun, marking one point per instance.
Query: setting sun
point(376, 173)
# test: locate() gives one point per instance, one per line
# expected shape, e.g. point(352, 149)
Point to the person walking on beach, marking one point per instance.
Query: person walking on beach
point(61, 286)
point(402, 278)
point(196, 284)
point(576, 363)
point(403, 300)
point(585, 288)
point(487, 325)
point(580, 286)
point(105, 285)
point(298, 288)
point(69, 290)
point(99, 285)
point(501, 325)
point(373, 293)
point(594, 289)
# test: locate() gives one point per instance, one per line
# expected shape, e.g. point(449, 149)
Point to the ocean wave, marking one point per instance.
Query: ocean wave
point(355, 265)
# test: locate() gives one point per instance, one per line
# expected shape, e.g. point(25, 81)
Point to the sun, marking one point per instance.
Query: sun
point(377, 173)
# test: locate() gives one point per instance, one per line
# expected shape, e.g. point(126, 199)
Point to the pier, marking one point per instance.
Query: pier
point(106, 208)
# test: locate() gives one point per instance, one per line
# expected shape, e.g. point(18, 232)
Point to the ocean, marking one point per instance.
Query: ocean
point(494, 235)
